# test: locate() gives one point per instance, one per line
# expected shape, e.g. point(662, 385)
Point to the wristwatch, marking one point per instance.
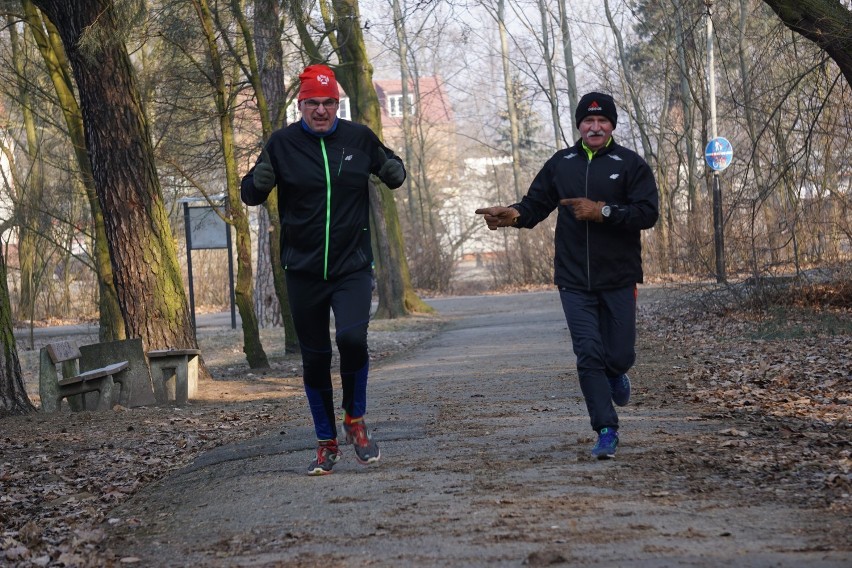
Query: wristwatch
point(605, 211)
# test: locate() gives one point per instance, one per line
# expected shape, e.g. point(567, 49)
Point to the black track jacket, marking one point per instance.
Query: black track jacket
point(323, 196)
point(589, 255)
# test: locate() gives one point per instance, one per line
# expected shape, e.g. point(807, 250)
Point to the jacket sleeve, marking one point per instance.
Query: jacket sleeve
point(249, 194)
point(541, 198)
point(642, 208)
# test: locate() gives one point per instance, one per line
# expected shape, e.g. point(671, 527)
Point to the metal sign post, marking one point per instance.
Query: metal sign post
point(205, 229)
point(718, 155)
point(718, 221)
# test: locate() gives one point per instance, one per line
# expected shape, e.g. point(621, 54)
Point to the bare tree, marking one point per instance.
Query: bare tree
point(825, 22)
point(638, 111)
point(511, 105)
point(266, 73)
point(568, 54)
point(236, 214)
point(146, 272)
point(111, 323)
point(547, 56)
point(30, 208)
point(13, 395)
point(396, 294)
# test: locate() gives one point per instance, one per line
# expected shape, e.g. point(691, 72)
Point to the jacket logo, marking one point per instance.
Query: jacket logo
point(569, 156)
point(613, 176)
point(615, 157)
point(323, 80)
point(347, 158)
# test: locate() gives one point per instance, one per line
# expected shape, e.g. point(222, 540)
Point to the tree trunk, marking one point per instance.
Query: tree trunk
point(30, 210)
point(111, 321)
point(514, 130)
point(641, 124)
point(511, 105)
point(236, 212)
point(825, 22)
point(13, 395)
point(552, 98)
point(569, 66)
point(147, 275)
point(267, 77)
point(747, 99)
point(356, 75)
point(688, 127)
point(404, 75)
point(662, 231)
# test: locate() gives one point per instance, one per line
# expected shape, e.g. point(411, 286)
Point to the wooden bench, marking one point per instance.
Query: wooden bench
point(178, 364)
point(54, 386)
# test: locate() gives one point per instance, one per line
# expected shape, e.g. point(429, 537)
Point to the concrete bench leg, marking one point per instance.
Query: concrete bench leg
point(192, 376)
point(48, 388)
point(157, 382)
point(175, 378)
point(105, 400)
point(121, 384)
point(173, 384)
point(181, 385)
point(100, 399)
point(186, 380)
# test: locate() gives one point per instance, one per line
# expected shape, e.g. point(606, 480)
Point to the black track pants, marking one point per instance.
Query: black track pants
point(603, 334)
point(312, 300)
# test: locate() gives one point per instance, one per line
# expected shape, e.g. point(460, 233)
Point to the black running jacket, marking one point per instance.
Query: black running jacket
point(590, 255)
point(323, 196)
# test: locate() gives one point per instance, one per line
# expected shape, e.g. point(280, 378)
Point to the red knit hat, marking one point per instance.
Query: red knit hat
point(318, 81)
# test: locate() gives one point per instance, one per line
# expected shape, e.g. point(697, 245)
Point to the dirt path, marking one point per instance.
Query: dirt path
point(485, 461)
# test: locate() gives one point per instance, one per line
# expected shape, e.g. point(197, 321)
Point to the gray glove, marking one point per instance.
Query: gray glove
point(264, 175)
point(392, 173)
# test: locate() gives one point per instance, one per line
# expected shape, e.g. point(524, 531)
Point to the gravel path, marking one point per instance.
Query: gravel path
point(485, 462)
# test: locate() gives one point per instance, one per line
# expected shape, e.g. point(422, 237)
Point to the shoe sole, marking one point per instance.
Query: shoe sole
point(604, 456)
point(320, 471)
point(351, 441)
point(369, 461)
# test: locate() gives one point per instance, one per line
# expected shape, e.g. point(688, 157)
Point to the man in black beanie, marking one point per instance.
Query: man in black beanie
point(606, 195)
point(596, 104)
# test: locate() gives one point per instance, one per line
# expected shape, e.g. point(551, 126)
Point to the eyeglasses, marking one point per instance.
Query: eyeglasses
point(328, 104)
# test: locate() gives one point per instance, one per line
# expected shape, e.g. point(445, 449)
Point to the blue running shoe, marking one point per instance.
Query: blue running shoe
point(620, 387)
point(607, 444)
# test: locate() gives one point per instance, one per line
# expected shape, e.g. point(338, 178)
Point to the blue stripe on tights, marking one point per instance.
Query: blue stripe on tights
point(359, 395)
point(319, 400)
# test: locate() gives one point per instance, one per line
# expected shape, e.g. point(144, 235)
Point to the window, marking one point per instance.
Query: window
point(395, 105)
point(343, 109)
point(293, 114)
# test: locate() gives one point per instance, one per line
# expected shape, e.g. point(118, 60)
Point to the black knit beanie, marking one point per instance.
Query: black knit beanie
point(596, 103)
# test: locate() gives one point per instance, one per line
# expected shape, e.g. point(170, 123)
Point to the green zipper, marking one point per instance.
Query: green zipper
point(327, 210)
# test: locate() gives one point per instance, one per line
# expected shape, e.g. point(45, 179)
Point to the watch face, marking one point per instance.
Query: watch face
point(605, 211)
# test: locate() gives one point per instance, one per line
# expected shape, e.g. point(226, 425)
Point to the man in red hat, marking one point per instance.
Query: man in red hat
point(607, 195)
point(321, 168)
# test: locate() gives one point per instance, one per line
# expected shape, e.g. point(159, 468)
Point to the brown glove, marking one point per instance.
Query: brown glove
point(496, 217)
point(585, 209)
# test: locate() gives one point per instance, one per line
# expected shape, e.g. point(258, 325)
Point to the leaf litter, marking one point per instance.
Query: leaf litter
point(785, 398)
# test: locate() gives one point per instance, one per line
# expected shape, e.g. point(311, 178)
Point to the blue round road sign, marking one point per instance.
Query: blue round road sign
point(719, 153)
